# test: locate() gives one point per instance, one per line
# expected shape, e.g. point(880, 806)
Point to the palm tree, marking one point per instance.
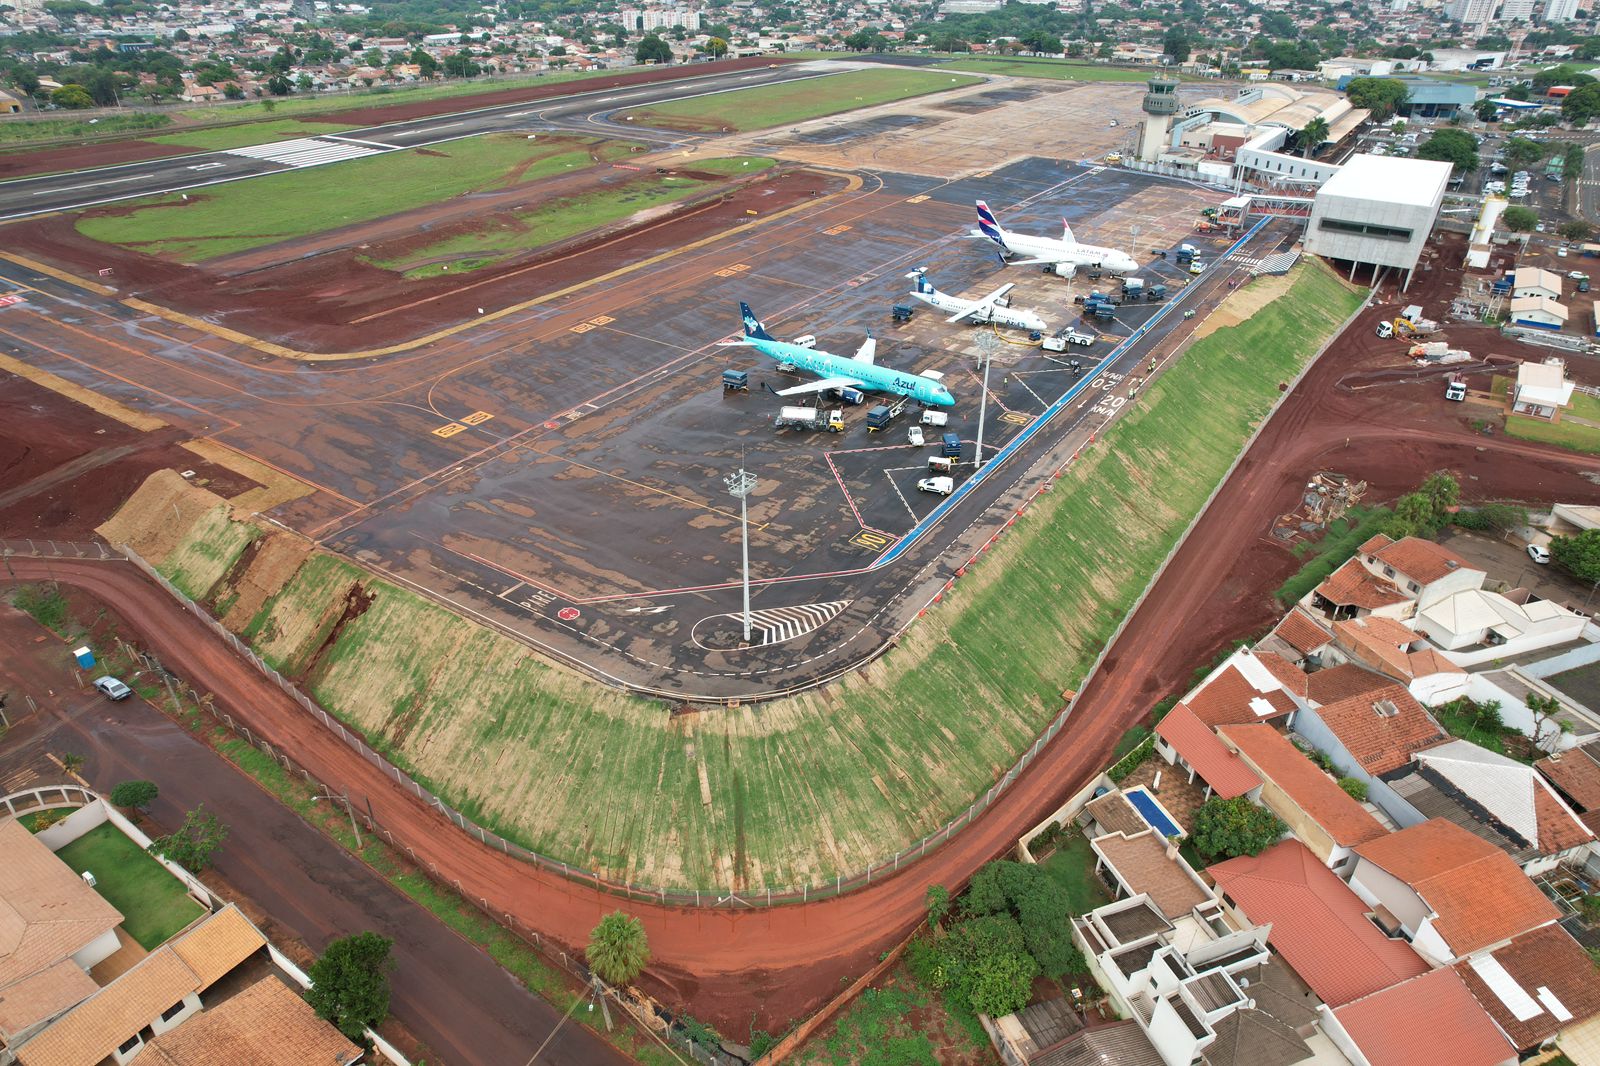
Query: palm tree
point(72, 762)
point(1312, 136)
point(618, 950)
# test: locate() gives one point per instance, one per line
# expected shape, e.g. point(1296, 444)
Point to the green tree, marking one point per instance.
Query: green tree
point(1456, 147)
point(1519, 219)
point(350, 983)
point(1427, 510)
point(716, 47)
point(1576, 230)
point(652, 49)
point(618, 950)
point(72, 762)
point(1382, 96)
point(1485, 111)
point(1226, 828)
point(1002, 984)
point(1582, 105)
point(1177, 44)
point(938, 902)
point(195, 841)
point(1579, 555)
point(1312, 135)
point(279, 85)
point(72, 97)
point(1572, 162)
point(1521, 152)
point(1547, 728)
point(135, 795)
point(232, 91)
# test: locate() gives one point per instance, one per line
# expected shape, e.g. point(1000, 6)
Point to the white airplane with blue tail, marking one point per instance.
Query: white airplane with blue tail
point(995, 307)
point(839, 372)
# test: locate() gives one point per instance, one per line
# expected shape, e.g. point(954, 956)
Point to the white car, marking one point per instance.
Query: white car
point(112, 689)
point(1539, 554)
point(914, 435)
point(939, 486)
point(1561, 253)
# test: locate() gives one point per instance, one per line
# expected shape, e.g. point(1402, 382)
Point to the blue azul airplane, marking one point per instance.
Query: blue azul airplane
point(837, 372)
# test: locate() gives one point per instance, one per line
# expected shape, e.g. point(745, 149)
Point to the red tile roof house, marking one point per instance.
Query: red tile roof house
point(1431, 1020)
point(1242, 689)
point(1538, 987)
point(1451, 892)
point(1392, 579)
point(1317, 811)
point(1575, 773)
point(1188, 743)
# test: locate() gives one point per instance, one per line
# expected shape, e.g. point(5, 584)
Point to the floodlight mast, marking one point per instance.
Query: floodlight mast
point(741, 484)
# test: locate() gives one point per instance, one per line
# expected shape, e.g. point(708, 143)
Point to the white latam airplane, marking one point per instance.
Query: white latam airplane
point(992, 308)
point(1064, 256)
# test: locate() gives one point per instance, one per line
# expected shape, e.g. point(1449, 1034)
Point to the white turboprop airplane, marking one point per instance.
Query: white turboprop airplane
point(992, 308)
point(1064, 256)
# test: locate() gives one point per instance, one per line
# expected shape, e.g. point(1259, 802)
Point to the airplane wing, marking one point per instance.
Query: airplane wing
point(984, 304)
point(822, 386)
point(868, 350)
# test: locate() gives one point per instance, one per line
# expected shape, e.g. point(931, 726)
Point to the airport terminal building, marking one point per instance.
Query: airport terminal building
point(1377, 211)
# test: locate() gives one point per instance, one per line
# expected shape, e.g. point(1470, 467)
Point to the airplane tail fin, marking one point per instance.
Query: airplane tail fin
point(1066, 232)
point(989, 226)
point(923, 285)
point(752, 325)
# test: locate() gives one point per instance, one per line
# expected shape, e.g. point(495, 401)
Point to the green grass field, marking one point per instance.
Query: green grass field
point(20, 133)
point(298, 203)
point(799, 790)
point(153, 903)
point(1059, 69)
point(778, 105)
point(219, 138)
point(554, 221)
point(202, 560)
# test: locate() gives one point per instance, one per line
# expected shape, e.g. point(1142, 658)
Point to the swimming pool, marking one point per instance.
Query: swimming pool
point(1152, 812)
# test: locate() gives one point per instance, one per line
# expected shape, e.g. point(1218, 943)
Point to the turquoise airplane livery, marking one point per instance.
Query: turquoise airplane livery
point(839, 372)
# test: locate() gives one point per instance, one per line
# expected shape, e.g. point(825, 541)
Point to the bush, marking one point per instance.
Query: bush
point(1228, 828)
point(44, 605)
point(1355, 788)
point(136, 795)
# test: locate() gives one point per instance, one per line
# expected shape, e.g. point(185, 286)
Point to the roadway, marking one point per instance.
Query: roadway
point(580, 111)
point(446, 992)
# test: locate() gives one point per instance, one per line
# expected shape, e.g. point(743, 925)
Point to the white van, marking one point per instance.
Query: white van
point(940, 486)
point(936, 418)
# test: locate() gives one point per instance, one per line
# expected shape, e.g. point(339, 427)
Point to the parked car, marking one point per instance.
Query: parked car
point(112, 689)
point(1538, 554)
point(941, 486)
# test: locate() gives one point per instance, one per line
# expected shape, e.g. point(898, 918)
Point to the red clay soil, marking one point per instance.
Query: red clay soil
point(738, 967)
point(333, 302)
point(22, 162)
point(64, 468)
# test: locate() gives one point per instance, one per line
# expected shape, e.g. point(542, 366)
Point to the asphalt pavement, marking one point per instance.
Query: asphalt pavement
point(583, 111)
point(449, 994)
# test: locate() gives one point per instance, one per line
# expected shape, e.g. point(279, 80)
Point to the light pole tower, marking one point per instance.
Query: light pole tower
point(741, 484)
point(986, 344)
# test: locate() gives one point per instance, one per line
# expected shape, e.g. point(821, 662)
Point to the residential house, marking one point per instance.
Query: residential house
point(157, 994)
point(1341, 682)
point(1448, 891)
point(1242, 689)
point(1556, 672)
point(1542, 389)
point(201, 94)
point(1570, 519)
point(1398, 651)
point(1539, 986)
point(9, 105)
point(1050, 1033)
point(1476, 626)
point(1319, 813)
point(1423, 571)
point(1575, 774)
point(1373, 737)
point(1146, 864)
point(1510, 804)
point(54, 929)
point(1299, 637)
point(1532, 281)
point(1203, 989)
point(1429, 1020)
point(267, 1024)
point(1183, 740)
point(1352, 591)
point(1316, 923)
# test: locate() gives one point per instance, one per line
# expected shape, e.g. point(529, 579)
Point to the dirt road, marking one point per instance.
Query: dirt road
point(450, 995)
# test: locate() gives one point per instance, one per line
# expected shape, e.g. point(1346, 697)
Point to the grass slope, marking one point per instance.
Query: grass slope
point(153, 903)
point(777, 105)
point(554, 221)
point(219, 138)
point(205, 557)
point(297, 203)
point(1059, 69)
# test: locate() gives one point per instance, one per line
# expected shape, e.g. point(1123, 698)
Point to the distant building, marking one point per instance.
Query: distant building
point(1542, 389)
point(9, 105)
point(1560, 10)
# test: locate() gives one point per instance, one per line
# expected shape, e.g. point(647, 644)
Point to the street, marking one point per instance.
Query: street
point(450, 995)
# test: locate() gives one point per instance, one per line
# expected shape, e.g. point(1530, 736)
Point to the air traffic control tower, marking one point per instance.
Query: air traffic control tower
point(1160, 104)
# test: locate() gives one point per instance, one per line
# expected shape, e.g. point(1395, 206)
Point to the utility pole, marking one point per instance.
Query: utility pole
point(986, 344)
point(741, 484)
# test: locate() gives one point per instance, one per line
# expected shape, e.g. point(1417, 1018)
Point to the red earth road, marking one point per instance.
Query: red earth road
point(767, 966)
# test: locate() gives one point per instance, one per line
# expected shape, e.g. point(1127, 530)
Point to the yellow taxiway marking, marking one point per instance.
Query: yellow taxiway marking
point(451, 430)
point(477, 418)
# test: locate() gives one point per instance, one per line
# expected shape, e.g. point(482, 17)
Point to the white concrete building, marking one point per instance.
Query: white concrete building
point(1538, 312)
point(1535, 281)
point(1560, 10)
point(1541, 389)
point(1377, 211)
